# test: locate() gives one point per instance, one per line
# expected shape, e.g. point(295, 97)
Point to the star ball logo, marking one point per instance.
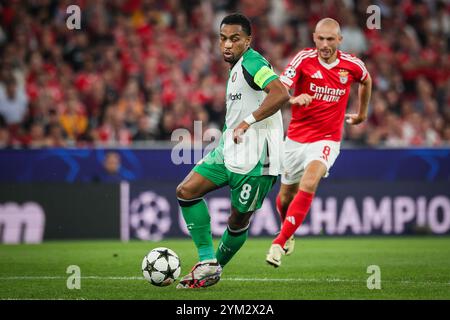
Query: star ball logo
point(150, 216)
point(290, 72)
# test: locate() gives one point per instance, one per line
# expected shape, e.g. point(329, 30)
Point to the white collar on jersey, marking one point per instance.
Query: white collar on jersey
point(329, 65)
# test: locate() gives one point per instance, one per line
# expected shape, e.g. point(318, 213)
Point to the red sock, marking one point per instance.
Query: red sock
point(280, 209)
point(296, 213)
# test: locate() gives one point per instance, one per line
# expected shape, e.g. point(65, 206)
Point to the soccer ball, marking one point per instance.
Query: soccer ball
point(161, 266)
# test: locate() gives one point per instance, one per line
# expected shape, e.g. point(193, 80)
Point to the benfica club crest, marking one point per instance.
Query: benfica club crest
point(343, 76)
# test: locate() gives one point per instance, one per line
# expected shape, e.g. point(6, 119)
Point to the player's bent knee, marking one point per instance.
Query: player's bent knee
point(237, 221)
point(183, 192)
point(309, 184)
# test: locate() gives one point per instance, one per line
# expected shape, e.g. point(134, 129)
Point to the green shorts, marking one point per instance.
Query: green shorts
point(247, 192)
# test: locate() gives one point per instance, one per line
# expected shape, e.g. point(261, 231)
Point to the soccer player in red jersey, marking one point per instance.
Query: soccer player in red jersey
point(321, 78)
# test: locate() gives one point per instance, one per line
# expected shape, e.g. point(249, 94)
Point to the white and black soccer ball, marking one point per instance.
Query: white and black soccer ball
point(161, 266)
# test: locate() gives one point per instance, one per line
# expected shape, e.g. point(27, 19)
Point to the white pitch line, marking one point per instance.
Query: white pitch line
point(330, 280)
point(141, 278)
point(61, 277)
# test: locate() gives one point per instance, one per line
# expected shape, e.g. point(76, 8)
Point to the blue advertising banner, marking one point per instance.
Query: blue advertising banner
point(86, 165)
point(32, 213)
point(151, 212)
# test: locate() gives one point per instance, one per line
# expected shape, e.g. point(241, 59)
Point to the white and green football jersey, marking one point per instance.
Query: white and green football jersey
point(260, 151)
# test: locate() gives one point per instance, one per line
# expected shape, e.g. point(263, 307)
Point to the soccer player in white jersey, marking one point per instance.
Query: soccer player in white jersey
point(247, 159)
point(321, 78)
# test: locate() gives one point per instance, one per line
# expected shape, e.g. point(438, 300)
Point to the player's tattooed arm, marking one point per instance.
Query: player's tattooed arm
point(364, 92)
point(277, 96)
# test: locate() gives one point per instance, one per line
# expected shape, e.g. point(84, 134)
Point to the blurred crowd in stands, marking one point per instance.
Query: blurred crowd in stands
point(138, 69)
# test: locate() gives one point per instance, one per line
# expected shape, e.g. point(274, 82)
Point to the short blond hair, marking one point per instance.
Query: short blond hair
point(329, 22)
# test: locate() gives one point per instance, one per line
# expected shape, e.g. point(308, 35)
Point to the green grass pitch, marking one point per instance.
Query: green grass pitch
point(320, 268)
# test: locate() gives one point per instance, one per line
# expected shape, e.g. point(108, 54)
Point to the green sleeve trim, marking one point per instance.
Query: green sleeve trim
point(253, 62)
point(250, 80)
point(269, 80)
point(263, 75)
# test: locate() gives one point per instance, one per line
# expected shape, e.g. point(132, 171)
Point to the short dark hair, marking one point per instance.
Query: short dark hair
point(240, 19)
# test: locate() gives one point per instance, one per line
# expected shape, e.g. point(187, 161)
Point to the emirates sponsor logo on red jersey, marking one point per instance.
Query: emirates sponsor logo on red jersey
point(326, 93)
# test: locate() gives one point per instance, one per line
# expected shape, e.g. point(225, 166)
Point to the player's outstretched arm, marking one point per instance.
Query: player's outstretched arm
point(364, 92)
point(277, 96)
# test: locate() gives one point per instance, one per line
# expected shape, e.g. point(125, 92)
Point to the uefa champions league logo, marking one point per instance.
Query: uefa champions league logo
point(290, 72)
point(150, 216)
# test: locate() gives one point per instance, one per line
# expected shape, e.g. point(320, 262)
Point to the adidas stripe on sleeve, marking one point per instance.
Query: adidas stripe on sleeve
point(293, 69)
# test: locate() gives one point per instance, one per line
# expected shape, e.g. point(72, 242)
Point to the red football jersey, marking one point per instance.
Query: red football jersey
point(329, 84)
